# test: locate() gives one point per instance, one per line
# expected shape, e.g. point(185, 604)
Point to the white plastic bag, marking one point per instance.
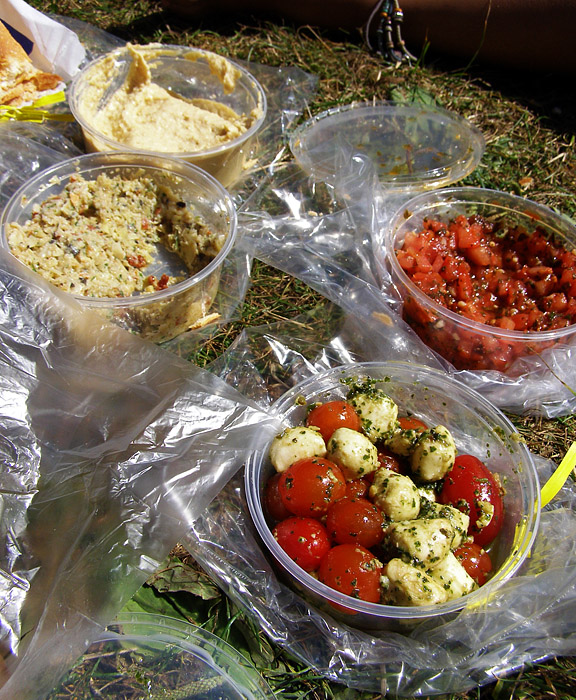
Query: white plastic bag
point(51, 46)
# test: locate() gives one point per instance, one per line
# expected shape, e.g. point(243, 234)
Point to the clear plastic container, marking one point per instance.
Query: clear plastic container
point(163, 314)
point(478, 428)
point(414, 147)
point(143, 655)
point(192, 74)
point(469, 344)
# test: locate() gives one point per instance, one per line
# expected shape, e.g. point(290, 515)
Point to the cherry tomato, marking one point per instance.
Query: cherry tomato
point(272, 500)
point(355, 521)
point(412, 423)
point(475, 560)
point(357, 488)
point(466, 486)
point(304, 540)
point(309, 486)
point(389, 461)
point(329, 416)
point(353, 570)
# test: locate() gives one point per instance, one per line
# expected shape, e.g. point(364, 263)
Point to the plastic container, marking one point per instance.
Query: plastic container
point(163, 314)
point(470, 344)
point(191, 74)
point(478, 428)
point(414, 147)
point(144, 655)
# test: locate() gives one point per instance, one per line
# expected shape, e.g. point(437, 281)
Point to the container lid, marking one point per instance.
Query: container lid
point(144, 655)
point(414, 147)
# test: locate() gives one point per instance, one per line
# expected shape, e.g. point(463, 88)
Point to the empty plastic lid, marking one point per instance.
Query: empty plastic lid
point(144, 655)
point(414, 147)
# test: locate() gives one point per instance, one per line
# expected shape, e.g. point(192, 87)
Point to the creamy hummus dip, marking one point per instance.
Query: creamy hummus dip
point(144, 115)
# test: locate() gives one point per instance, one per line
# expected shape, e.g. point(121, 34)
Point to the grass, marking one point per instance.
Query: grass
point(529, 127)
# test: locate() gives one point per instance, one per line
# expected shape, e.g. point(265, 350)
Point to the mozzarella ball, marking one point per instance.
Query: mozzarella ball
point(353, 453)
point(404, 584)
point(395, 494)
point(423, 540)
point(377, 411)
point(460, 521)
point(453, 577)
point(434, 454)
point(296, 443)
point(402, 442)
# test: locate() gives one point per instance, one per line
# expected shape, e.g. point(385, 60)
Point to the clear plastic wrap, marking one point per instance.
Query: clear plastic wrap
point(530, 618)
point(111, 447)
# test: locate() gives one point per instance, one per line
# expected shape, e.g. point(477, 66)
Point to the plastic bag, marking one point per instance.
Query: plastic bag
point(326, 234)
point(51, 46)
point(110, 448)
point(531, 617)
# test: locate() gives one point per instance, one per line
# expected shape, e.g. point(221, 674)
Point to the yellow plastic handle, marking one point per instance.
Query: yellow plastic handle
point(558, 478)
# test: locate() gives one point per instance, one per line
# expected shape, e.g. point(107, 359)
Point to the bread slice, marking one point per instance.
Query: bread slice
point(20, 81)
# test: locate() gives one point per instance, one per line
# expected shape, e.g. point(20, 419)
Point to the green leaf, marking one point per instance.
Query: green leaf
point(176, 576)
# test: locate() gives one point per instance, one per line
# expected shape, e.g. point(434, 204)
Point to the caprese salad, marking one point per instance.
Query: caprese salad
point(380, 506)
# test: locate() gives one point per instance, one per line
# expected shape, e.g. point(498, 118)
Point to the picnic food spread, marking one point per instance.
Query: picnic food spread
point(137, 113)
point(97, 237)
point(20, 81)
point(380, 506)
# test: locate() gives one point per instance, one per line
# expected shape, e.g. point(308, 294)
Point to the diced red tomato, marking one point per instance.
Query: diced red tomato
point(506, 278)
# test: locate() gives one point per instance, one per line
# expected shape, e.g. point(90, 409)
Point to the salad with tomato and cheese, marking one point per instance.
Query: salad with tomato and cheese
point(380, 506)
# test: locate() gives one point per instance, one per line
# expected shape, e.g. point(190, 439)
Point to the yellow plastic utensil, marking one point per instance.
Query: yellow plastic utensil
point(34, 112)
point(561, 473)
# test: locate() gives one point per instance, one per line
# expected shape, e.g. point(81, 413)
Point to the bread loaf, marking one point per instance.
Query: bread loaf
point(20, 81)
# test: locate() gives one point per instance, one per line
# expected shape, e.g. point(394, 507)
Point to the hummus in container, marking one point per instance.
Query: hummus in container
point(139, 238)
point(174, 100)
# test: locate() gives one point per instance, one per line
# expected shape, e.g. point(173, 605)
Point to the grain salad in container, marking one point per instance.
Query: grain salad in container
point(139, 238)
point(175, 100)
point(484, 277)
point(393, 495)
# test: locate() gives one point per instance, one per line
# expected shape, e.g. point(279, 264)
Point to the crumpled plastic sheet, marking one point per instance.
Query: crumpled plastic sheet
point(110, 445)
point(327, 235)
point(110, 448)
point(530, 618)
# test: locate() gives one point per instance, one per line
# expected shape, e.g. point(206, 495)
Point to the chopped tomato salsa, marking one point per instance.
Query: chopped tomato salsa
point(491, 273)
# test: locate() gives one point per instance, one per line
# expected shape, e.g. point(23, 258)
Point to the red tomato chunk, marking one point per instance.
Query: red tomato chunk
point(489, 273)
